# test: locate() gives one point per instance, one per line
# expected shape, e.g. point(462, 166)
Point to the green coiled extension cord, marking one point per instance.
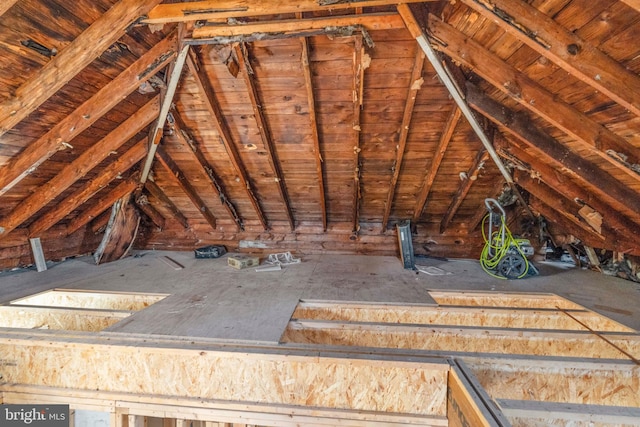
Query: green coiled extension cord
point(497, 246)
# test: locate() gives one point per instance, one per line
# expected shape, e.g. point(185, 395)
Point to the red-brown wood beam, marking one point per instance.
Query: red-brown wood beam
point(90, 44)
point(206, 90)
point(306, 68)
point(558, 179)
point(6, 5)
point(179, 177)
point(463, 188)
point(263, 128)
point(215, 9)
point(87, 114)
point(75, 171)
point(531, 95)
point(116, 169)
point(102, 204)
point(157, 192)
point(546, 147)
point(147, 208)
point(573, 54)
point(438, 156)
point(481, 212)
point(415, 85)
point(358, 101)
point(181, 132)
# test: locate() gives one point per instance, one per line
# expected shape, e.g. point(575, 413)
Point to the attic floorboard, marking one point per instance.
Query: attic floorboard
point(210, 299)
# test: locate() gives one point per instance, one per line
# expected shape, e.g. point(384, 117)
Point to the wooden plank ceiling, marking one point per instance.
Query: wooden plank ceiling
point(315, 125)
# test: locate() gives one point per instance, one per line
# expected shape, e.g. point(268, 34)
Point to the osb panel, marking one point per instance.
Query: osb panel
point(45, 318)
point(456, 316)
point(325, 382)
point(93, 300)
point(454, 339)
point(489, 299)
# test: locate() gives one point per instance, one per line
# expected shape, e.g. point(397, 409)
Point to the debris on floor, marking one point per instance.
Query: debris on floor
point(269, 267)
point(211, 251)
point(432, 271)
point(283, 258)
point(243, 261)
point(172, 263)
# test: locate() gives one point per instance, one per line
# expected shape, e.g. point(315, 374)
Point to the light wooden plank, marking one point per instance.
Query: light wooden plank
point(71, 60)
point(635, 4)
point(551, 40)
point(6, 5)
point(59, 318)
point(501, 299)
point(127, 301)
point(73, 172)
point(87, 114)
point(38, 255)
point(214, 9)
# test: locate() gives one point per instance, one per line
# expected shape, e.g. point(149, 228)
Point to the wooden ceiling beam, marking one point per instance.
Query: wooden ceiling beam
point(206, 90)
point(358, 101)
point(415, 85)
point(558, 179)
point(179, 177)
point(463, 188)
point(75, 170)
point(519, 125)
point(563, 47)
point(116, 169)
point(6, 5)
point(102, 204)
point(90, 44)
point(371, 21)
point(222, 9)
point(436, 160)
point(263, 128)
point(183, 135)
point(142, 202)
point(532, 96)
point(60, 135)
point(308, 83)
point(157, 192)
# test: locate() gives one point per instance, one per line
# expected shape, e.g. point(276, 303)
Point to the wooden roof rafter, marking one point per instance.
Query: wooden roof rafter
point(531, 95)
point(634, 4)
point(179, 177)
point(204, 86)
point(102, 204)
point(142, 202)
point(74, 171)
point(246, 71)
point(90, 44)
point(187, 140)
point(314, 129)
point(415, 85)
point(222, 9)
point(360, 63)
point(463, 188)
point(60, 135)
point(155, 191)
point(566, 49)
point(6, 5)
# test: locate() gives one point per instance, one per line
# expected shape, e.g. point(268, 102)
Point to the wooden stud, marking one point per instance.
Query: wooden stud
point(415, 85)
point(178, 175)
point(38, 255)
point(263, 127)
point(187, 140)
point(592, 136)
point(314, 129)
point(519, 125)
point(167, 99)
point(372, 21)
point(358, 101)
point(213, 9)
point(102, 205)
point(206, 90)
point(88, 113)
point(586, 62)
point(157, 192)
point(436, 160)
point(463, 188)
point(6, 5)
point(147, 208)
point(75, 171)
point(105, 31)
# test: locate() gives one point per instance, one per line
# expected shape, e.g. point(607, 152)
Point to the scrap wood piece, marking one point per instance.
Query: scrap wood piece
point(171, 263)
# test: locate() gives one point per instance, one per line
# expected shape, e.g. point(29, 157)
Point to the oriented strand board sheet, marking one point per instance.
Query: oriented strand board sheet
point(130, 301)
point(57, 318)
point(182, 368)
point(457, 339)
point(495, 317)
point(499, 299)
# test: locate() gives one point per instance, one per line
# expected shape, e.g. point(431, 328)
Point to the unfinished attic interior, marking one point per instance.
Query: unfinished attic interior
point(333, 130)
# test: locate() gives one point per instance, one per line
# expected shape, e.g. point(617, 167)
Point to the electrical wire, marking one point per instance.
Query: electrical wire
point(500, 248)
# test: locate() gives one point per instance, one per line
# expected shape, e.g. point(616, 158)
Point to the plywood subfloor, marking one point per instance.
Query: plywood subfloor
point(210, 299)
